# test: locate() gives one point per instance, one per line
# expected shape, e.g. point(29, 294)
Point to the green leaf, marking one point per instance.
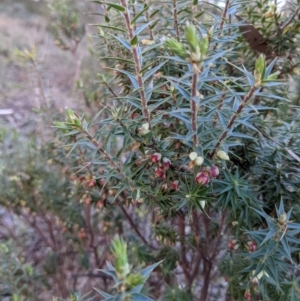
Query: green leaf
point(112, 274)
point(270, 234)
point(131, 76)
point(123, 42)
point(141, 28)
point(153, 70)
point(134, 41)
point(139, 297)
point(112, 5)
point(148, 270)
point(140, 13)
point(103, 294)
point(116, 59)
point(109, 27)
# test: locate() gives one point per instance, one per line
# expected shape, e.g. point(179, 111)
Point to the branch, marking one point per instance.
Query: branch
point(148, 20)
point(219, 108)
point(291, 19)
point(184, 262)
point(222, 21)
point(91, 232)
point(42, 90)
point(134, 227)
point(137, 63)
point(219, 236)
point(108, 158)
point(194, 107)
point(232, 120)
point(176, 28)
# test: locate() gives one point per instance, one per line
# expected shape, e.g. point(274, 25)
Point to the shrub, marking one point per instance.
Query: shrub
point(194, 157)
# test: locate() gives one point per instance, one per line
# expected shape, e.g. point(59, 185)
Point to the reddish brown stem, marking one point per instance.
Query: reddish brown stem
point(137, 63)
point(232, 120)
point(52, 236)
point(218, 238)
point(88, 209)
point(196, 264)
point(194, 110)
point(291, 19)
point(105, 155)
point(219, 108)
point(207, 266)
point(134, 226)
point(183, 259)
point(151, 36)
point(176, 28)
point(222, 20)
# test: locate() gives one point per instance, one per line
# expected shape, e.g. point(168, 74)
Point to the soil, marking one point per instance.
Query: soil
point(23, 24)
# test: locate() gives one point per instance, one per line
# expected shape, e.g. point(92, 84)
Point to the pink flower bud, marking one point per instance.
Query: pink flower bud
point(164, 186)
point(247, 295)
point(251, 246)
point(175, 185)
point(159, 173)
point(232, 244)
point(91, 183)
point(156, 157)
point(88, 200)
point(167, 163)
point(202, 178)
point(214, 171)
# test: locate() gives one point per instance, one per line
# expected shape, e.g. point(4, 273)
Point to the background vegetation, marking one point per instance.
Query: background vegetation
point(181, 136)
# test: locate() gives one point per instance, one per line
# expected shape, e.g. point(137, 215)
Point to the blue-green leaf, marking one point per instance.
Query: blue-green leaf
point(139, 297)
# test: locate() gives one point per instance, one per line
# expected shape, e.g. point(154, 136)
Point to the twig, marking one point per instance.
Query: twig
point(176, 28)
point(104, 154)
point(134, 227)
point(196, 264)
point(218, 239)
point(137, 63)
point(207, 263)
point(91, 232)
point(194, 107)
point(50, 228)
point(184, 262)
point(110, 89)
point(291, 19)
point(219, 108)
point(42, 90)
point(232, 120)
point(35, 226)
point(197, 234)
point(222, 21)
point(151, 36)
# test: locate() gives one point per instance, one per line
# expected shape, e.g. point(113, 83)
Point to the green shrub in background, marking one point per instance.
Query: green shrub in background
point(193, 159)
point(66, 26)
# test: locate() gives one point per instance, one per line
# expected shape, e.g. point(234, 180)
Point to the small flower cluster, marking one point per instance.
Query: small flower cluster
point(206, 173)
point(233, 244)
point(195, 160)
point(160, 171)
point(145, 129)
point(255, 280)
point(251, 246)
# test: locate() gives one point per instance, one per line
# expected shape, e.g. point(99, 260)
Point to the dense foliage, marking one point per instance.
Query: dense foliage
point(193, 158)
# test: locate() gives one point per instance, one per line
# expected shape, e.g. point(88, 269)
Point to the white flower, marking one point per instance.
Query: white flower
point(193, 156)
point(222, 155)
point(199, 161)
point(202, 204)
point(144, 129)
